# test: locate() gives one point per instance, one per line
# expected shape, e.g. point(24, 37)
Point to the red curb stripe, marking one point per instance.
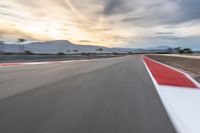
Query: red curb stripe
point(9, 64)
point(167, 76)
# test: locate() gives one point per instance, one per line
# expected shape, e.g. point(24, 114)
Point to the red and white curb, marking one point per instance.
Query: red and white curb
point(179, 93)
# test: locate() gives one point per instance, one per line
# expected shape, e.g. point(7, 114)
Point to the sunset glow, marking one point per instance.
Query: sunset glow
point(101, 22)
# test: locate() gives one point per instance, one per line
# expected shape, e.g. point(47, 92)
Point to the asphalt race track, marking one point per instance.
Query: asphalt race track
point(113, 95)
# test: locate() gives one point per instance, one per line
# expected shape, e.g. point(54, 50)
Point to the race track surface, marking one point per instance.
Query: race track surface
point(113, 95)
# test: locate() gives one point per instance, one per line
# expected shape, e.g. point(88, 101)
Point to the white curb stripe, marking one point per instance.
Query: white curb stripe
point(181, 104)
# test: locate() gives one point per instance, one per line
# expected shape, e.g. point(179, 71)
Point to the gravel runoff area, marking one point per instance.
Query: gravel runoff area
point(189, 65)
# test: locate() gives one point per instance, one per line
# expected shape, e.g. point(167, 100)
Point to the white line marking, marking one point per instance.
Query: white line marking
point(40, 63)
point(184, 105)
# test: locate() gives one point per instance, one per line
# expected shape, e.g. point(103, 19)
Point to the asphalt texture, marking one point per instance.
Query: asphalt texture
point(100, 96)
point(41, 58)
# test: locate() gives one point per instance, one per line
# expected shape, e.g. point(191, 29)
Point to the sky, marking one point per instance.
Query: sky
point(111, 23)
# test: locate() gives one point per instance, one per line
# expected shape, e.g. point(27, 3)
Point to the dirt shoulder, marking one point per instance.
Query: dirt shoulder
point(195, 56)
point(189, 65)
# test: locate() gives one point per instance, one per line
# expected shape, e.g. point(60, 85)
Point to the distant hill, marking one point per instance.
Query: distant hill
point(54, 47)
point(60, 46)
point(157, 48)
point(64, 46)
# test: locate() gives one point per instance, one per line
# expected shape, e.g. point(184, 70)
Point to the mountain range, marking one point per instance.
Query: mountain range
point(64, 46)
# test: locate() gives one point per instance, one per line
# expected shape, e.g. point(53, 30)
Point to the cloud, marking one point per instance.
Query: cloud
point(164, 33)
point(116, 7)
point(190, 8)
point(104, 22)
point(155, 12)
